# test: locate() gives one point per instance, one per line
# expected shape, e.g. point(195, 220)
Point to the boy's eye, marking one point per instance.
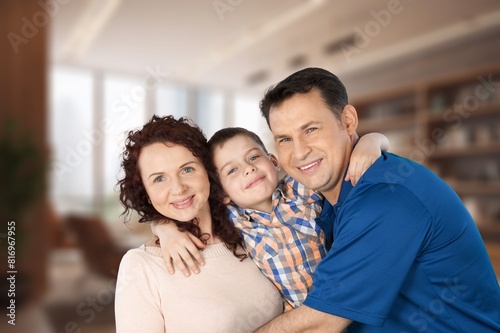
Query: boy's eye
point(253, 158)
point(158, 179)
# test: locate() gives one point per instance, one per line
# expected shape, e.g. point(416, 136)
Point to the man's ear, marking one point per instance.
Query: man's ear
point(275, 162)
point(226, 199)
point(350, 119)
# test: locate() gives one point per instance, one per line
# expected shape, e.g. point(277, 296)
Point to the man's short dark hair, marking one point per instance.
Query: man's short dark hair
point(332, 90)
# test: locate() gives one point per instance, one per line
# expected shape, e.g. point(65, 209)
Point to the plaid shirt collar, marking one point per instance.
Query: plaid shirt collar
point(284, 192)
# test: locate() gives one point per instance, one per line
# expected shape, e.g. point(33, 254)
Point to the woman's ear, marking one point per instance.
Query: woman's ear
point(226, 199)
point(275, 162)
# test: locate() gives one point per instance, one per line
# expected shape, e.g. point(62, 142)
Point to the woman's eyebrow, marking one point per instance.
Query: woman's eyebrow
point(180, 167)
point(154, 174)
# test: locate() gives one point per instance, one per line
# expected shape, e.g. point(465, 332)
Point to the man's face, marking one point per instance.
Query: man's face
point(248, 175)
point(313, 147)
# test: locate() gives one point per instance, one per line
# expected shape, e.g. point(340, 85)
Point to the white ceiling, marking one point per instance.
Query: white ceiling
point(195, 43)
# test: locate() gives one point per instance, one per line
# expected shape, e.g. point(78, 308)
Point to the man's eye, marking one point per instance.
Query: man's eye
point(159, 179)
point(284, 140)
point(311, 129)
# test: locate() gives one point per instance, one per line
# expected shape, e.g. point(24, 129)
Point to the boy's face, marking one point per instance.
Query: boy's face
point(248, 175)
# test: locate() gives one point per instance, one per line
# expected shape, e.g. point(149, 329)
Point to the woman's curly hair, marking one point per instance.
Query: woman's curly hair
point(133, 195)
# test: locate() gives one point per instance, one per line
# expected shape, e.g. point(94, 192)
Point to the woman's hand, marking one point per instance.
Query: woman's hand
point(366, 152)
point(180, 249)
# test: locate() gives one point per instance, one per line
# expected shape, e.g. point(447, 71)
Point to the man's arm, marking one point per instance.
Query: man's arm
point(305, 319)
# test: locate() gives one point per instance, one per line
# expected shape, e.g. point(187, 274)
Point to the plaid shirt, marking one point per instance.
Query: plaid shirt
point(287, 244)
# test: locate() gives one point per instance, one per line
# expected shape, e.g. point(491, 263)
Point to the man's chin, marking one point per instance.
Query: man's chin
point(309, 183)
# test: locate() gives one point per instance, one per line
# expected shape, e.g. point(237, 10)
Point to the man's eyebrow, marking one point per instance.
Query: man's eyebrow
point(306, 125)
point(301, 128)
point(279, 136)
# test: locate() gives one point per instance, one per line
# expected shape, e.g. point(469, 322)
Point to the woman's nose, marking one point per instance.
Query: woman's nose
point(178, 187)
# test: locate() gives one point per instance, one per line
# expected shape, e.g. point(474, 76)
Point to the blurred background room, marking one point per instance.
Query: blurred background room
point(77, 74)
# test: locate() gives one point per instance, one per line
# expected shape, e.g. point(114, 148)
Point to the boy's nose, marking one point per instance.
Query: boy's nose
point(249, 169)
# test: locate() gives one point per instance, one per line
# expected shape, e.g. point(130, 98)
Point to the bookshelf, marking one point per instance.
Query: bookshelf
point(451, 125)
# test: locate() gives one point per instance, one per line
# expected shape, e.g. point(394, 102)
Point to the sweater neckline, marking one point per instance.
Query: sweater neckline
point(211, 251)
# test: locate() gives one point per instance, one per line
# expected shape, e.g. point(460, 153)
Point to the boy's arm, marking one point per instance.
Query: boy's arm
point(179, 249)
point(366, 152)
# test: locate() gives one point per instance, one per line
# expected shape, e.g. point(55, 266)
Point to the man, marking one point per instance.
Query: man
point(406, 255)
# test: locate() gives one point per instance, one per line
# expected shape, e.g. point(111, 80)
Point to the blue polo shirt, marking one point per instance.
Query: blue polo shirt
point(407, 256)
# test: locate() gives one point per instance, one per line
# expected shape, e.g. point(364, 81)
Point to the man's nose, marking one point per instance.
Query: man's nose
point(300, 149)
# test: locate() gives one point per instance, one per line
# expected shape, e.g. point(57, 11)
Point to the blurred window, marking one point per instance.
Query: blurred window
point(90, 115)
point(171, 100)
point(70, 136)
point(124, 110)
point(209, 111)
point(247, 115)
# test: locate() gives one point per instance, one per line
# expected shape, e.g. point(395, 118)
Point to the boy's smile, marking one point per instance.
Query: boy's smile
point(255, 182)
point(248, 175)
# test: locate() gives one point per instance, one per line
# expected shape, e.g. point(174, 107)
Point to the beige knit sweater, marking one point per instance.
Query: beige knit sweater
point(226, 296)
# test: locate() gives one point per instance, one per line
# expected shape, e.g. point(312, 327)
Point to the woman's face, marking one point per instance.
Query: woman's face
point(176, 182)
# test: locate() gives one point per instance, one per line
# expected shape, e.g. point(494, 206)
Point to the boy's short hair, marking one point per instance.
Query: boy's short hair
point(223, 135)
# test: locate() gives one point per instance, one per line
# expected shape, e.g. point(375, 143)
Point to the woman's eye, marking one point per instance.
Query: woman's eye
point(187, 170)
point(231, 171)
point(159, 179)
point(253, 158)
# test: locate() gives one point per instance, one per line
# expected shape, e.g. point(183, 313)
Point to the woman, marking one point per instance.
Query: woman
point(169, 173)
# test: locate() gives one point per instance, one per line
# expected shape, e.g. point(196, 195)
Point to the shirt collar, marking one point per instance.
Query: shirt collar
point(280, 191)
point(344, 191)
point(247, 212)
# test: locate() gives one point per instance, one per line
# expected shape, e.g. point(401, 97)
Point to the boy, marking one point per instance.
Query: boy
point(275, 217)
